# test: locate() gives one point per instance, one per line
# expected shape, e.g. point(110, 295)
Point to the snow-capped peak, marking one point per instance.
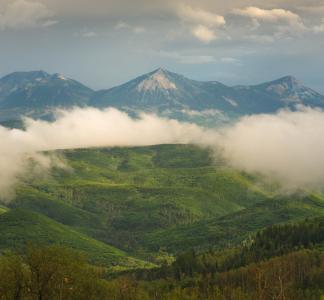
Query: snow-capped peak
point(60, 76)
point(157, 80)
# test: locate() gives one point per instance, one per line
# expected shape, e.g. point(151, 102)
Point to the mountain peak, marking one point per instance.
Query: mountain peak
point(290, 80)
point(30, 75)
point(157, 80)
point(284, 84)
point(59, 76)
point(160, 70)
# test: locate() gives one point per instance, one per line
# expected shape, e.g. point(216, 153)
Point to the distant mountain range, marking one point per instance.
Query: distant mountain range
point(38, 93)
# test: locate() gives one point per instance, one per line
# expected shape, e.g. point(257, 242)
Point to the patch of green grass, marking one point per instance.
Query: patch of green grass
point(3, 209)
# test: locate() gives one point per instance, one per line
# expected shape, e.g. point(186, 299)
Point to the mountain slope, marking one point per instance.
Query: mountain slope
point(37, 94)
point(117, 195)
point(289, 91)
point(293, 91)
point(162, 90)
point(19, 227)
point(146, 199)
point(34, 93)
point(233, 228)
point(39, 89)
point(165, 91)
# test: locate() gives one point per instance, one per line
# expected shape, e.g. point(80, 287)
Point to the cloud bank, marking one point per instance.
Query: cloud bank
point(81, 128)
point(20, 14)
point(287, 147)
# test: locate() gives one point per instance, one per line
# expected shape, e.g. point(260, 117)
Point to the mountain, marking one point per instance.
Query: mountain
point(37, 92)
point(291, 92)
point(171, 95)
point(165, 91)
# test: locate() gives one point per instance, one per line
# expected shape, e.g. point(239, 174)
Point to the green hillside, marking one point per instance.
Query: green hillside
point(234, 228)
point(151, 200)
point(118, 195)
point(19, 227)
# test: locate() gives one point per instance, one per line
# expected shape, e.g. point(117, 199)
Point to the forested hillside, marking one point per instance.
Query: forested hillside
point(148, 200)
point(164, 222)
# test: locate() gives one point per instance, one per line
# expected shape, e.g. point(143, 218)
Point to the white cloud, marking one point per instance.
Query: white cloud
point(22, 14)
point(203, 24)
point(187, 59)
point(287, 146)
point(269, 15)
point(200, 16)
point(86, 33)
point(126, 26)
point(230, 60)
point(139, 29)
point(203, 113)
point(89, 34)
point(319, 28)
point(261, 38)
point(275, 16)
point(197, 59)
point(204, 34)
point(82, 128)
point(286, 21)
point(121, 25)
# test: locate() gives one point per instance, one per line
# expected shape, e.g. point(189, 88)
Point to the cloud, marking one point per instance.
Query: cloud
point(276, 15)
point(87, 33)
point(230, 60)
point(288, 147)
point(261, 38)
point(122, 25)
point(203, 23)
point(204, 34)
point(315, 9)
point(319, 28)
point(81, 128)
point(200, 16)
point(187, 59)
point(22, 14)
point(197, 59)
point(270, 15)
point(126, 26)
point(203, 113)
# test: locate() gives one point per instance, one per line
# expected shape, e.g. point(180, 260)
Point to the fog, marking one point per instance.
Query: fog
point(80, 128)
point(287, 147)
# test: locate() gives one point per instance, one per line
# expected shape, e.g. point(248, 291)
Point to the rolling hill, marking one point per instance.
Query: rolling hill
point(19, 227)
point(144, 200)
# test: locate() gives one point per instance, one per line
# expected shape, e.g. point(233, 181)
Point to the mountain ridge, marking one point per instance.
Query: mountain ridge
point(36, 93)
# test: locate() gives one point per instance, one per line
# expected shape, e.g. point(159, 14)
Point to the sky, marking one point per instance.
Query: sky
point(103, 43)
